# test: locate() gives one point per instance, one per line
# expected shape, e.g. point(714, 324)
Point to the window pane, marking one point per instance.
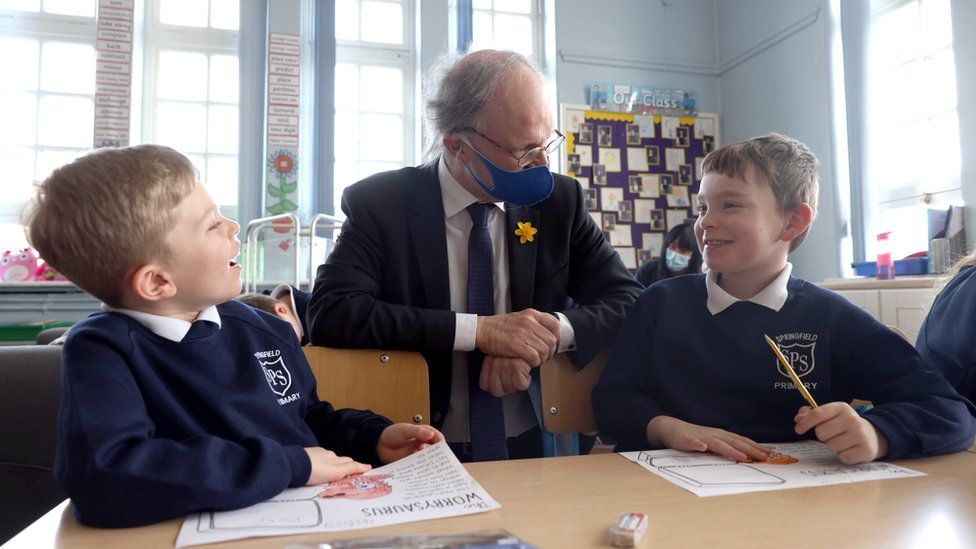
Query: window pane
point(224, 81)
point(936, 24)
point(189, 13)
point(68, 67)
point(517, 6)
point(225, 14)
point(18, 63)
point(481, 4)
point(367, 169)
point(345, 174)
point(18, 173)
point(381, 89)
point(66, 121)
point(347, 20)
point(182, 126)
point(18, 112)
point(182, 75)
point(83, 8)
point(381, 137)
point(939, 76)
point(49, 159)
point(896, 35)
point(200, 163)
point(12, 235)
point(346, 86)
point(222, 180)
point(481, 31)
point(513, 32)
point(941, 155)
point(382, 22)
point(20, 5)
point(347, 135)
point(222, 129)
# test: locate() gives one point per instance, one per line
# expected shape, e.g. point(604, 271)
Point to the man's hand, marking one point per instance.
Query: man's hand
point(327, 466)
point(853, 438)
point(688, 437)
point(529, 334)
point(501, 375)
point(402, 439)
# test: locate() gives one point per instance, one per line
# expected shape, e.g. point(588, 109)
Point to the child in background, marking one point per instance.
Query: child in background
point(946, 338)
point(285, 302)
point(681, 256)
point(756, 204)
point(174, 399)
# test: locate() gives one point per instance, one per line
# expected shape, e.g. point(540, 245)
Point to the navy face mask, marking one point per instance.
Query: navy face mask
point(521, 187)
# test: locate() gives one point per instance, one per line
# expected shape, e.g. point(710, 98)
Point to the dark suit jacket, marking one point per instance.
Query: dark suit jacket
point(386, 283)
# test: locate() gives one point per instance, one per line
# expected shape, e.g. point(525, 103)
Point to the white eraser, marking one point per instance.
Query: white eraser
point(628, 530)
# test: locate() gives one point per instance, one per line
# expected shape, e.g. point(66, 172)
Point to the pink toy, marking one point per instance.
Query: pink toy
point(18, 266)
point(46, 273)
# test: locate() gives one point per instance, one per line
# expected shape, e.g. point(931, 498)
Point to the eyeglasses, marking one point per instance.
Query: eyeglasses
point(528, 157)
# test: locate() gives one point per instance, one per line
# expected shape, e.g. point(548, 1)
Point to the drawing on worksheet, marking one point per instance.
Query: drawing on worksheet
point(426, 485)
point(791, 465)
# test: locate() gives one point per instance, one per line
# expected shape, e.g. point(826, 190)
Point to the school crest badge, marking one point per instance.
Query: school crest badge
point(801, 357)
point(277, 374)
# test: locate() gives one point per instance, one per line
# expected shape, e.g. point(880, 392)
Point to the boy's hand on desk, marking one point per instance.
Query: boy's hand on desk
point(853, 438)
point(502, 375)
point(327, 466)
point(402, 439)
point(528, 334)
point(688, 437)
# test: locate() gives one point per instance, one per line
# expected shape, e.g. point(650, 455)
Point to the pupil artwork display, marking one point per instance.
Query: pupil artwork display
point(640, 173)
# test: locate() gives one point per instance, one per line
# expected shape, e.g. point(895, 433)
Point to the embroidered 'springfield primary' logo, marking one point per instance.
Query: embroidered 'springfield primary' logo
point(801, 358)
point(277, 374)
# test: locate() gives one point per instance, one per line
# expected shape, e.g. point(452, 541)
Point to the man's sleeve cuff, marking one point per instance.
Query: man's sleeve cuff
point(567, 337)
point(465, 331)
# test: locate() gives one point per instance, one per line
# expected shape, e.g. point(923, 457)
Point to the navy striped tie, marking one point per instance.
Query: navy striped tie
point(486, 418)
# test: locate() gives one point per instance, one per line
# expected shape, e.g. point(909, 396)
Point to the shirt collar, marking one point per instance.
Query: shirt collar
point(167, 327)
point(772, 297)
point(455, 197)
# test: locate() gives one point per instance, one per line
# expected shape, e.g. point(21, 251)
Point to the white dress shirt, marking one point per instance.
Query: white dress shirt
point(519, 415)
point(772, 297)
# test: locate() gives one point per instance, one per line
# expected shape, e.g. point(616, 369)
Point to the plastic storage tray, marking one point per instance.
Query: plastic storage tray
point(911, 266)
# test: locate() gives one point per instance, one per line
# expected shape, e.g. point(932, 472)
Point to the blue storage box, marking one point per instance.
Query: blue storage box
point(910, 266)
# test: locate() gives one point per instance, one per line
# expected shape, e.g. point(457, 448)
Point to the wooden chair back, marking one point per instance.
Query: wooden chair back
point(391, 383)
point(566, 403)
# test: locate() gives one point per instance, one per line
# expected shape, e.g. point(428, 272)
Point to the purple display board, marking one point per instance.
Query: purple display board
point(640, 174)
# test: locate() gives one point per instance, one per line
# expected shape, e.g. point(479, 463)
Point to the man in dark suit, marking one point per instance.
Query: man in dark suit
point(470, 260)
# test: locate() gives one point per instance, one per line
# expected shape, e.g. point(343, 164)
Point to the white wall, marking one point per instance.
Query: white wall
point(784, 87)
point(636, 42)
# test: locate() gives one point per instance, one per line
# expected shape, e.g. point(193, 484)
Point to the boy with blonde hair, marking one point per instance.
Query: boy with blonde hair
point(756, 204)
point(175, 399)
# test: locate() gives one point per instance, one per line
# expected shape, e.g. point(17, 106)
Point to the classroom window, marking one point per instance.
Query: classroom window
point(913, 161)
point(507, 25)
point(192, 99)
point(47, 57)
point(374, 86)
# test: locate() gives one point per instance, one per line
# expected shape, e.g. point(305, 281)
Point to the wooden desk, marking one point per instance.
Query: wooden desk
point(571, 502)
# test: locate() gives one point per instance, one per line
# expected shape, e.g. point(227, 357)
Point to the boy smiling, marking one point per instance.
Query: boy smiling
point(756, 204)
point(175, 399)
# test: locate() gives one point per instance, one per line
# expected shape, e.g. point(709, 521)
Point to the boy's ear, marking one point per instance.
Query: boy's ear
point(281, 310)
point(797, 220)
point(152, 283)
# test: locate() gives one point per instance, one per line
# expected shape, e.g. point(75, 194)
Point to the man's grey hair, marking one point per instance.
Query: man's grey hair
point(458, 90)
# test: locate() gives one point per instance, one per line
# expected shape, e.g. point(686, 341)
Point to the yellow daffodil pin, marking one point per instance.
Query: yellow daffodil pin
point(525, 232)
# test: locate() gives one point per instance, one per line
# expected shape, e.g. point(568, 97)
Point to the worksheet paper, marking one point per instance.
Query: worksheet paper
point(792, 465)
point(427, 485)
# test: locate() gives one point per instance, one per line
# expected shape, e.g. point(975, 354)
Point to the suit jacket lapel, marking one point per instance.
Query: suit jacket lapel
point(521, 257)
point(430, 239)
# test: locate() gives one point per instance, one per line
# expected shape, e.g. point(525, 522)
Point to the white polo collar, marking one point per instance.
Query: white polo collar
point(455, 197)
point(167, 327)
point(772, 297)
